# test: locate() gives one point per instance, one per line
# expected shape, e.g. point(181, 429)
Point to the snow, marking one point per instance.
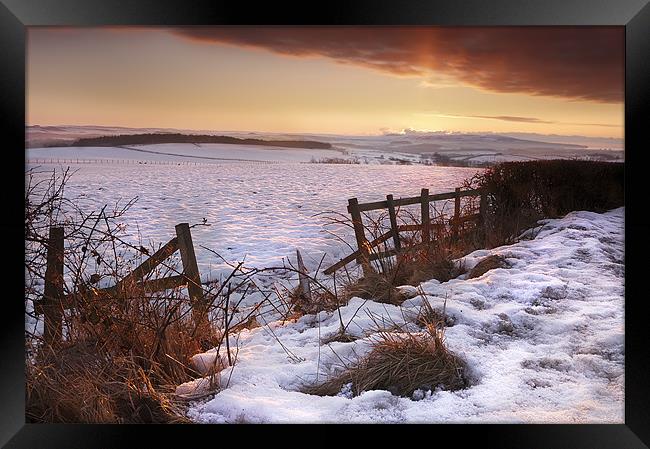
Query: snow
point(407, 291)
point(203, 153)
point(257, 211)
point(544, 340)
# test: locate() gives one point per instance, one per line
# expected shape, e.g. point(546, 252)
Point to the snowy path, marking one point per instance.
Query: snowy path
point(544, 340)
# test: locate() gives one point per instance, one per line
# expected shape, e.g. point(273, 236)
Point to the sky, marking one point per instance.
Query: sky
point(338, 80)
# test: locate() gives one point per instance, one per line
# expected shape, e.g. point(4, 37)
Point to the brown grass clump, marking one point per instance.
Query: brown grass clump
point(120, 363)
point(341, 336)
point(401, 363)
point(83, 384)
point(379, 287)
point(443, 271)
point(489, 263)
point(159, 330)
point(321, 300)
point(428, 316)
point(120, 371)
point(409, 269)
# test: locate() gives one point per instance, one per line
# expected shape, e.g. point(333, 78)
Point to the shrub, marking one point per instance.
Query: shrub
point(520, 193)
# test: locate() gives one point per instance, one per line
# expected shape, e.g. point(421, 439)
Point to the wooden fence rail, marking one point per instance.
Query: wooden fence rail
point(376, 205)
point(363, 255)
point(55, 301)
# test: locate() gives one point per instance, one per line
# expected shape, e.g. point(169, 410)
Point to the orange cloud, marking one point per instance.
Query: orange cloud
point(580, 63)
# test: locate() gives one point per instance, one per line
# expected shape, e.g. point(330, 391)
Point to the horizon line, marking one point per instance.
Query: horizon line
point(403, 131)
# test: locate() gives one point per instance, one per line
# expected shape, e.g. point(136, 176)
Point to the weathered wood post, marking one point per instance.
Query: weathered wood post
point(456, 224)
point(483, 215)
point(303, 278)
point(191, 273)
point(53, 294)
point(426, 219)
point(359, 233)
point(393, 222)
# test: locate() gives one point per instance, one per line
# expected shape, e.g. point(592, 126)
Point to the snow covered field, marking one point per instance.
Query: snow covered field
point(175, 152)
point(544, 340)
point(260, 212)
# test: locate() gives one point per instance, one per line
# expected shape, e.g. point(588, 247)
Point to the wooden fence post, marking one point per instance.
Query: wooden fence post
point(456, 223)
point(483, 212)
point(53, 294)
point(393, 222)
point(303, 278)
point(191, 272)
point(359, 233)
point(426, 219)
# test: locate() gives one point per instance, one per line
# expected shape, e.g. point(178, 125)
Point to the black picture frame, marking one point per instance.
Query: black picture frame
point(634, 15)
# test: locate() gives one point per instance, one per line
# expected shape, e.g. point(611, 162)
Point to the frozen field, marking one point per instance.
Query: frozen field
point(173, 152)
point(260, 212)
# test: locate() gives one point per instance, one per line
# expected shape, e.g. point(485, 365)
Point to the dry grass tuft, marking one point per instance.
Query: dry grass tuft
point(82, 383)
point(341, 336)
point(321, 300)
point(442, 270)
point(379, 287)
point(120, 362)
point(408, 269)
point(487, 264)
point(401, 363)
point(119, 370)
point(428, 316)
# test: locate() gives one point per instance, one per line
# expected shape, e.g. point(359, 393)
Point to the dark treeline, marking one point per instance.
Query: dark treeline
point(520, 193)
point(147, 139)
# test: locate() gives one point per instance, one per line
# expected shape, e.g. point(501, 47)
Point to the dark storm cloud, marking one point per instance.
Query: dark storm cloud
point(582, 63)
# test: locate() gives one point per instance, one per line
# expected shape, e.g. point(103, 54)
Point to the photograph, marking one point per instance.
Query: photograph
point(325, 224)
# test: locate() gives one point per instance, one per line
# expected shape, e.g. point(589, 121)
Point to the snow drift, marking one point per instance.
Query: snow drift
point(543, 338)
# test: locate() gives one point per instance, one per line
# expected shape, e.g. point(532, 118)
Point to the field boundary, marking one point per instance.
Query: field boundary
point(455, 224)
point(54, 300)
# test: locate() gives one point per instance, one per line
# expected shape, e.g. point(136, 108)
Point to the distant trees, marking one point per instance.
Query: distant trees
point(156, 138)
